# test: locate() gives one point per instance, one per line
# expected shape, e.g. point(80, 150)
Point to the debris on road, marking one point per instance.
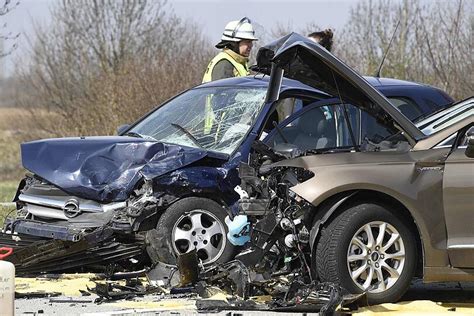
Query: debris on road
point(96, 251)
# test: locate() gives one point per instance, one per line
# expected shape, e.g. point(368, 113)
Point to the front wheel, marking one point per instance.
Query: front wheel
point(367, 248)
point(194, 223)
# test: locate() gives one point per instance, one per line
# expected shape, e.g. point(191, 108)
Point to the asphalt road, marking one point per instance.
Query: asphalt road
point(455, 295)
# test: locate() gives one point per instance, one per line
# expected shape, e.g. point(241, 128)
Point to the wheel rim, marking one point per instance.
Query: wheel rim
point(200, 230)
point(376, 257)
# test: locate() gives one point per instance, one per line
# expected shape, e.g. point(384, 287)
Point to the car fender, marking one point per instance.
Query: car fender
point(315, 229)
point(201, 181)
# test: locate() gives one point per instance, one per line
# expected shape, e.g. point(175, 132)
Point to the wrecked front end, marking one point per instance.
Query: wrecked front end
point(278, 221)
point(43, 210)
point(107, 190)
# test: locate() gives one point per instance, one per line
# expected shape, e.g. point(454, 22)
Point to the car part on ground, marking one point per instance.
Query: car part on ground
point(286, 293)
point(97, 251)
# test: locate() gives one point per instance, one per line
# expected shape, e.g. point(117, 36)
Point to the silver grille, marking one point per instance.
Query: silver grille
point(46, 201)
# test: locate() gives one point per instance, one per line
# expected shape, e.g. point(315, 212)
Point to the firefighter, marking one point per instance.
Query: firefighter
point(236, 44)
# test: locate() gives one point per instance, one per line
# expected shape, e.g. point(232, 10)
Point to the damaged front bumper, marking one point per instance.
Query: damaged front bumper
point(45, 230)
point(50, 233)
point(44, 210)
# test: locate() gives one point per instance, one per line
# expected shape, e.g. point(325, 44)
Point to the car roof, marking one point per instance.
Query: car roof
point(261, 81)
point(378, 82)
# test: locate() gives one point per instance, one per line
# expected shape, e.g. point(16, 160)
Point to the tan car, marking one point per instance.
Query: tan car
point(383, 207)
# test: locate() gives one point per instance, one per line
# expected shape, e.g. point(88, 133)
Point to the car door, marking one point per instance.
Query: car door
point(458, 202)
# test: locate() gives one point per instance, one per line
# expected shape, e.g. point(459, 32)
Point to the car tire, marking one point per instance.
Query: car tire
point(194, 223)
point(346, 256)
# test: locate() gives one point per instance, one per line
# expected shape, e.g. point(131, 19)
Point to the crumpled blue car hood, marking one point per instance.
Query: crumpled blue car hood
point(105, 169)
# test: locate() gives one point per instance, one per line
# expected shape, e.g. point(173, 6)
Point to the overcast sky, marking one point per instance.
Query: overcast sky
point(212, 15)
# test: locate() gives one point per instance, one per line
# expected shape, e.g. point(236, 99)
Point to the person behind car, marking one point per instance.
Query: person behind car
point(236, 44)
point(323, 38)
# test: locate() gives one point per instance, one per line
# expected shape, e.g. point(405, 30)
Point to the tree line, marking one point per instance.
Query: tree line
point(101, 63)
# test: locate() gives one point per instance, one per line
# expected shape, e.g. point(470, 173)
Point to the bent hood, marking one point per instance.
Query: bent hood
point(104, 169)
point(306, 61)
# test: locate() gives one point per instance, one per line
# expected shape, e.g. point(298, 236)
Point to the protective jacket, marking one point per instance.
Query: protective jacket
point(238, 62)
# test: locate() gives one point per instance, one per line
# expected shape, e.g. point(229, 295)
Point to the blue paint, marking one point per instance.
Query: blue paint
point(107, 169)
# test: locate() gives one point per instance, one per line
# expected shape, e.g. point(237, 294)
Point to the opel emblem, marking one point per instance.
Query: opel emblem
point(71, 208)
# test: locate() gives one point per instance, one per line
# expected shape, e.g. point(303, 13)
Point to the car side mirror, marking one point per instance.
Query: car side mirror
point(470, 144)
point(122, 128)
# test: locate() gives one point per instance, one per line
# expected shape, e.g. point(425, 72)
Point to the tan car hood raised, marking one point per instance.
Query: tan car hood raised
point(308, 62)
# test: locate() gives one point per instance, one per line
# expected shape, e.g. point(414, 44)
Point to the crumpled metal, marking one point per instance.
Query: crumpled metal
point(104, 169)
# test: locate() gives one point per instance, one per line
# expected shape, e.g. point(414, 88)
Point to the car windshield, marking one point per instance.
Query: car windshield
point(215, 118)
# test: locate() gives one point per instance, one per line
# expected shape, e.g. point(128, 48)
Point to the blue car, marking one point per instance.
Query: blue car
point(173, 174)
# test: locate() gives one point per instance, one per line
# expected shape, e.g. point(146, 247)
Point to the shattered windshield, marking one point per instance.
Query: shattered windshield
point(215, 118)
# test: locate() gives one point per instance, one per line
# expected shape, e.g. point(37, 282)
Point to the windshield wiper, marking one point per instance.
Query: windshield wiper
point(138, 135)
point(332, 150)
point(188, 133)
point(133, 134)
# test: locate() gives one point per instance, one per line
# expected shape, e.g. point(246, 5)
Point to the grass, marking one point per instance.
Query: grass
point(10, 163)
point(4, 211)
point(16, 127)
point(13, 130)
point(7, 191)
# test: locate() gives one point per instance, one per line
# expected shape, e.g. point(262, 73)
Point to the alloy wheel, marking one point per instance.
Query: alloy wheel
point(376, 257)
point(200, 230)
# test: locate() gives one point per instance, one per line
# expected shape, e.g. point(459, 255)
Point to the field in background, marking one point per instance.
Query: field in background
point(10, 138)
point(7, 191)
point(10, 165)
point(4, 211)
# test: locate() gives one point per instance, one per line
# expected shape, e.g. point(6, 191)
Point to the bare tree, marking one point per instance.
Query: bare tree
point(446, 40)
point(433, 44)
point(102, 63)
point(9, 39)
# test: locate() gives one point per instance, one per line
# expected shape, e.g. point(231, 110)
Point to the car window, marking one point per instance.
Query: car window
point(463, 142)
point(313, 129)
point(284, 108)
point(407, 106)
point(343, 131)
point(308, 131)
point(372, 130)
